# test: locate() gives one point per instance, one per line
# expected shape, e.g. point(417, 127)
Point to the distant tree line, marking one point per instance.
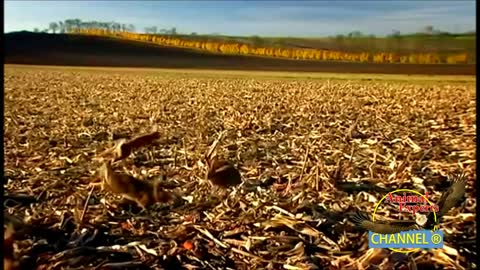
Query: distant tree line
point(226, 47)
point(425, 31)
point(73, 25)
point(155, 30)
point(168, 38)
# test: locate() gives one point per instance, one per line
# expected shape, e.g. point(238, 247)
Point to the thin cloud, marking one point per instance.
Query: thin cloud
point(334, 20)
point(431, 13)
point(273, 18)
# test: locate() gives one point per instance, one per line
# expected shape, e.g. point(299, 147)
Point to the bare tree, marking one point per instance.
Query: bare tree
point(71, 25)
point(68, 25)
point(53, 26)
point(395, 33)
point(116, 27)
point(151, 30)
point(61, 27)
point(428, 29)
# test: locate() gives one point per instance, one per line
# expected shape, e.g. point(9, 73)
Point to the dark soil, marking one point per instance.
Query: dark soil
point(78, 50)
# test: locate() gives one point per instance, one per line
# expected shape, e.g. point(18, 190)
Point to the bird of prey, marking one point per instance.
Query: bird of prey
point(447, 201)
point(124, 148)
point(383, 226)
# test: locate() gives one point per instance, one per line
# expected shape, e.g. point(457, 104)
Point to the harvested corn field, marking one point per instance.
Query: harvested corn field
point(310, 153)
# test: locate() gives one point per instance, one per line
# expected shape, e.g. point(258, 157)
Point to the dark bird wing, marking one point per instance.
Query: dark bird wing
point(127, 147)
point(142, 140)
point(450, 198)
point(453, 195)
point(383, 227)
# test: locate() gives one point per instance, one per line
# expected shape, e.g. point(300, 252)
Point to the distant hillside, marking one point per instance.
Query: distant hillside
point(81, 50)
point(405, 44)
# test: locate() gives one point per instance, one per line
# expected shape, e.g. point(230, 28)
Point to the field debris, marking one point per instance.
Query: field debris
point(310, 154)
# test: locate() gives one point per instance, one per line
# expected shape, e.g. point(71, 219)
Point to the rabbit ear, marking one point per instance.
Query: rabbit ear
point(207, 158)
point(213, 147)
point(106, 166)
point(211, 150)
point(214, 158)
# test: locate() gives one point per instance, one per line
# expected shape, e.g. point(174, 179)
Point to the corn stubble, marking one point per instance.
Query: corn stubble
point(284, 134)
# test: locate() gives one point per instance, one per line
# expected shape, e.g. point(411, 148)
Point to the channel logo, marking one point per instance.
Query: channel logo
point(407, 239)
point(413, 234)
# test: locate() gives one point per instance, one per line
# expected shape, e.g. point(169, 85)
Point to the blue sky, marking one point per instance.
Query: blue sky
point(266, 18)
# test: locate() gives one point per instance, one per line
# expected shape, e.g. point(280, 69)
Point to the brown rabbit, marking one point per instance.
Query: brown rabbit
point(9, 262)
point(142, 192)
point(222, 173)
